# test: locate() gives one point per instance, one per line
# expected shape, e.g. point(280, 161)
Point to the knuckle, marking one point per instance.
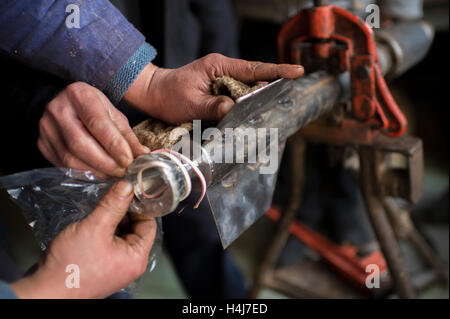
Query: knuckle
point(80, 91)
point(122, 118)
point(111, 202)
point(129, 134)
point(53, 108)
point(213, 58)
point(253, 66)
point(131, 138)
point(74, 89)
point(114, 143)
point(76, 146)
point(68, 160)
point(96, 124)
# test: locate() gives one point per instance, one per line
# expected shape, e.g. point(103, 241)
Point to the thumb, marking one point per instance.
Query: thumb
point(216, 107)
point(112, 207)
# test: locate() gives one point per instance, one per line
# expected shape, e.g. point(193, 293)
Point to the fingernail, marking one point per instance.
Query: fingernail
point(225, 108)
point(123, 188)
point(145, 149)
point(125, 161)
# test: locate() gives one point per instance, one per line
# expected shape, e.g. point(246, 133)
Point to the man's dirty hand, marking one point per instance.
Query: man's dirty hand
point(105, 261)
point(183, 94)
point(81, 129)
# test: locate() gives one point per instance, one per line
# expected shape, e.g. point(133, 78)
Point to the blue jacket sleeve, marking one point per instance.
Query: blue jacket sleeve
point(106, 51)
point(6, 292)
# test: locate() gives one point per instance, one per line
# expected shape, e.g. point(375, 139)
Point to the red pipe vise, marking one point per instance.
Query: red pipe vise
point(334, 39)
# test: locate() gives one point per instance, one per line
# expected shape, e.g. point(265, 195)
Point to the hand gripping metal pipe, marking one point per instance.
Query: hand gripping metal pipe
point(286, 105)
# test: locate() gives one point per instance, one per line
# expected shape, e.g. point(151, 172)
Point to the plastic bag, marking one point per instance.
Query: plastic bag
point(53, 198)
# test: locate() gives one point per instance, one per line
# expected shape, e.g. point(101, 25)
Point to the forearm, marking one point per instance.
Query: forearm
point(35, 32)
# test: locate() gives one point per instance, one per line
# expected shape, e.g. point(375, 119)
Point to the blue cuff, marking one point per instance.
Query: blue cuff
point(6, 292)
point(126, 75)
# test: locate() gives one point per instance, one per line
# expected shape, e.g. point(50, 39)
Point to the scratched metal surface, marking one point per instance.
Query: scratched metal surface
point(240, 199)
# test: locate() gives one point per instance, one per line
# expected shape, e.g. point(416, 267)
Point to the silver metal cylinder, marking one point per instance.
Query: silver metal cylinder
point(403, 45)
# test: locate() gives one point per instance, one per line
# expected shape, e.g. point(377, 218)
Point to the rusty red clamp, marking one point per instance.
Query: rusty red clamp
point(334, 39)
point(343, 259)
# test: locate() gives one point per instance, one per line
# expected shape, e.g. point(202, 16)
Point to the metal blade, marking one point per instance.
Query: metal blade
point(240, 199)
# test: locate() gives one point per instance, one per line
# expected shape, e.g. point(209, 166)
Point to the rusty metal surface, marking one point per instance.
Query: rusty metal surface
point(333, 39)
point(387, 166)
point(382, 226)
point(404, 178)
point(287, 105)
point(404, 229)
point(239, 194)
point(240, 199)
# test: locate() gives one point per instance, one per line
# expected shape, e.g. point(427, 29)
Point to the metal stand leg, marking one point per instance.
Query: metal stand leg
point(382, 226)
point(405, 229)
point(297, 149)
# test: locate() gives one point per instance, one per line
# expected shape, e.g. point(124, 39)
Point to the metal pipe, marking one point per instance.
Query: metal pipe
point(403, 45)
point(286, 105)
point(291, 104)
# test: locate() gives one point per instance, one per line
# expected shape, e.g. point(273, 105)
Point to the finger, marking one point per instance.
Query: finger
point(83, 145)
point(47, 151)
point(124, 127)
point(112, 208)
point(99, 123)
point(60, 156)
point(250, 71)
point(143, 234)
point(137, 217)
point(68, 160)
point(215, 108)
point(136, 147)
point(65, 157)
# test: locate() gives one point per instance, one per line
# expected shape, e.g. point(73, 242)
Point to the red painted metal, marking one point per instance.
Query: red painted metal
point(331, 38)
point(343, 259)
